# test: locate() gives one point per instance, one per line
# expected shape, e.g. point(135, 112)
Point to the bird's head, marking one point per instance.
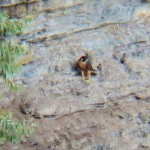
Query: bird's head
point(84, 58)
point(88, 55)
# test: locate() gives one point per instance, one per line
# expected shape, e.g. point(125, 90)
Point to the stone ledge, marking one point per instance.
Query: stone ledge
point(21, 8)
point(8, 3)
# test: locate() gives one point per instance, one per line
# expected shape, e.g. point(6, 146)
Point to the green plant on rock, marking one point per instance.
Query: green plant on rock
point(11, 51)
point(12, 130)
point(10, 26)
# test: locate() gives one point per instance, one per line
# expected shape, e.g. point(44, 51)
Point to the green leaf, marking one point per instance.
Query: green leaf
point(11, 52)
point(12, 130)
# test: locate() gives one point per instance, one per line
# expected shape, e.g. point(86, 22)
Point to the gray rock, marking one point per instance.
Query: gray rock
point(112, 111)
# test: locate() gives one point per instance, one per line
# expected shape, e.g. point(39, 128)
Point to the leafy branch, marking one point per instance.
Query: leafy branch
point(12, 130)
point(11, 51)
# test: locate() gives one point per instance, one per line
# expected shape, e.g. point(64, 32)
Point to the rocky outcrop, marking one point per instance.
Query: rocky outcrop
point(112, 112)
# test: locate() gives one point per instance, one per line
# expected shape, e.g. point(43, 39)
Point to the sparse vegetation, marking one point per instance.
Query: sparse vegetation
point(12, 130)
point(11, 51)
point(9, 26)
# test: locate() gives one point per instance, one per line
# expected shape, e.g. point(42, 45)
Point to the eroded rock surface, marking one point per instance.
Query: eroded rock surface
point(112, 112)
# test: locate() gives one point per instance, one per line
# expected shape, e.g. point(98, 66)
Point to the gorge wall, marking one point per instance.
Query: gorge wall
point(112, 112)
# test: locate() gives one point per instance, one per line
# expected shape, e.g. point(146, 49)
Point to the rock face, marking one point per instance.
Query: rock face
point(113, 111)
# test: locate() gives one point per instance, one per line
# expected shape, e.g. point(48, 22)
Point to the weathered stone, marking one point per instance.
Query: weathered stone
point(9, 3)
point(112, 111)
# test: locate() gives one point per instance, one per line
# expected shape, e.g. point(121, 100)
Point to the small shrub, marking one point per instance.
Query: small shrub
point(10, 26)
point(11, 52)
point(9, 56)
point(12, 130)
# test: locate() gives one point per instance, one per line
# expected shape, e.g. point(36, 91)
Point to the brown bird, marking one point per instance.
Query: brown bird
point(85, 67)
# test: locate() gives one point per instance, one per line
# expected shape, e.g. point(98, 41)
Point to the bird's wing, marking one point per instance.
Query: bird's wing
point(89, 66)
